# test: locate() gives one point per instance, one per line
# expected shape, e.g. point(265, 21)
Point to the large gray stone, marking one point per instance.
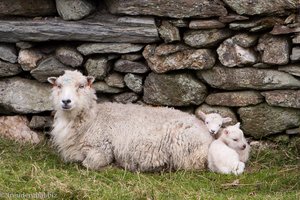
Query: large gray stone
point(168, 32)
point(274, 49)
point(205, 38)
point(27, 8)
point(245, 40)
point(283, 98)
point(128, 66)
point(295, 56)
point(168, 8)
point(41, 122)
point(246, 7)
point(9, 69)
point(248, 78)
point(263, 120)
point(8, 53)
point(19, 95)
point(134, 82)
point(28, 58)
point(256, 25)
point(223, 111)
point(234, 99)
point(49, 67)
point(231, 54)
point(74, 9)
point(296, 39)
point(293, 69)
point(98, 67)
point(69, 56)
point(173, 90)
point(165, 58)
point(132, 56)
point(99, 28)
point(93, 48)
point(232, 17)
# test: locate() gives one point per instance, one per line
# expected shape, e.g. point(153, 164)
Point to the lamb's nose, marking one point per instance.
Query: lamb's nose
point(67, 101)
point(244, 146)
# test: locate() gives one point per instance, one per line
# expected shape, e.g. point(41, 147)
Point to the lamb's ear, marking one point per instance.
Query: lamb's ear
point(227, 119)
point(237, 125)
point(90, 80)
point(52, 80)
point(200, 115)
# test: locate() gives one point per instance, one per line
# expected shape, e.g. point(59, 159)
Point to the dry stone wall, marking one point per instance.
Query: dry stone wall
point(237, 58)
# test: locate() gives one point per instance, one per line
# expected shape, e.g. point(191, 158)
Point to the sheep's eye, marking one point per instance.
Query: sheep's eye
point(59, 86)
point(220, 125)
point(81, 86)
point(235, 140)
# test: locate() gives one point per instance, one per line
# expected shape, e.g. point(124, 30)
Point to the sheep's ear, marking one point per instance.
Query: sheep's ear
point(90, 80)
point(237, 125)
point(227, 119)
point(201, 115)
point(52, 80)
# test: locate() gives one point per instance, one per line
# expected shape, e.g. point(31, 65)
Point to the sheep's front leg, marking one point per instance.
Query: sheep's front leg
point(97, 159)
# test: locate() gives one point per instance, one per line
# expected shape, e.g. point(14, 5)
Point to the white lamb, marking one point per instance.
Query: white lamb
point(138, 138)
point(213, 121)
point(229, 153)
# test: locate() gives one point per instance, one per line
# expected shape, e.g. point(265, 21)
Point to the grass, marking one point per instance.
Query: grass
point(272, 173)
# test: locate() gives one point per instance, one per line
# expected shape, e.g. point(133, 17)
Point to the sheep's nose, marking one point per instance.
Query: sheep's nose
point(212, 131)
point(66, 102)
point(244, 146)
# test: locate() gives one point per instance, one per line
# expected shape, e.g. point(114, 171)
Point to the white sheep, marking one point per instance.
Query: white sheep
point(138, 138)
point(213, 121)
point(229, 153)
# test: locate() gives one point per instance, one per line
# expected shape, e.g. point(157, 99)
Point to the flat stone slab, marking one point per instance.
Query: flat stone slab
point(99, 28)
point(248, 78)
point(293, 69)
point(93, 48)
point(168, 8)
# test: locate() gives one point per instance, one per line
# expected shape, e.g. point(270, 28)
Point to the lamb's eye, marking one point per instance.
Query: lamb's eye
point(206, 122)
point(235, 140)
point(81, 86)
point(59, 86)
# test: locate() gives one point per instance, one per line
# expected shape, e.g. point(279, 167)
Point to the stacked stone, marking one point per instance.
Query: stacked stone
point(237, 58)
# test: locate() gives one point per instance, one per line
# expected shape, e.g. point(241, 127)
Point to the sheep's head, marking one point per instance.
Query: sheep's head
point(213, 121)
point(233, 137)
point(72, 91)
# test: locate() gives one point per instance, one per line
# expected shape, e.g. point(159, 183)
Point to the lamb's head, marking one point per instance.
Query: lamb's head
point(233, 137)
point(72, 91)
point(213, 121)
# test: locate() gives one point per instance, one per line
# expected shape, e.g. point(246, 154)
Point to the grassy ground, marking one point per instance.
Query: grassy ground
point(273, 173)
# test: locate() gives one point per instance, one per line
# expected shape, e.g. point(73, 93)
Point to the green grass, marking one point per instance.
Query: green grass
point(273, 173)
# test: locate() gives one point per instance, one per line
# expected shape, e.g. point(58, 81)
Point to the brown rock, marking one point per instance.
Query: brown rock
point(16, 128)
point(69, 56)
point(28, 58)
point(168, 32)
point(282, 30)
point(274, 49)
point(9, 69)
point(132, 56)
point(205, 38)
point(126, 97)
point(40, 122)
point(283, 98)
point(206, 24)
point(130, 67)
point(181, 23)
point(115, 80)
point(168, 8)
point(185, 59)
point(231, 18)
point(234, 99)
